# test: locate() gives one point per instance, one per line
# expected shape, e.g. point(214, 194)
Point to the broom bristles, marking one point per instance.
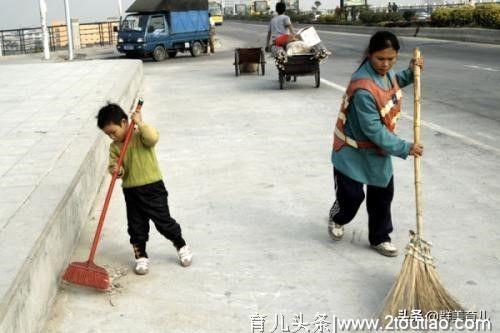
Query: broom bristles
point(418, 286)
point(87, 274)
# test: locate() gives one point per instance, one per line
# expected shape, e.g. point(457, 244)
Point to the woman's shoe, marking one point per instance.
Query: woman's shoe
point(336, 231)
point(386, 249)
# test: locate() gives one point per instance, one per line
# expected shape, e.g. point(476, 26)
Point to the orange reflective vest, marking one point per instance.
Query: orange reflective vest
point(388, 103)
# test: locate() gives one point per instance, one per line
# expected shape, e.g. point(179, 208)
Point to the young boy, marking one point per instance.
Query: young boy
point(145, 193)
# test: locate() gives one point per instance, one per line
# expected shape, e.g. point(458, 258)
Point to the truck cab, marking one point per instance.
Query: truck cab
point(157, 32)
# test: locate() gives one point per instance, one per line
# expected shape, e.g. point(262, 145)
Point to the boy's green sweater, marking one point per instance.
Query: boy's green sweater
point(140, 165)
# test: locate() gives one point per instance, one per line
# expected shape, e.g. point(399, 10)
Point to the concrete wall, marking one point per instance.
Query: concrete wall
point(64, 198)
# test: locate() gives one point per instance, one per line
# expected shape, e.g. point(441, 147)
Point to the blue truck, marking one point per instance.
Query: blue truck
point(158, 28)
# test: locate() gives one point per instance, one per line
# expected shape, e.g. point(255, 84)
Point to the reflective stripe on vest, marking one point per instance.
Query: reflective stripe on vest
point(388, 102)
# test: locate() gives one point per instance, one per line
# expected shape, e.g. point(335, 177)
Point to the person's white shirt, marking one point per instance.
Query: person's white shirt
point(279, 25)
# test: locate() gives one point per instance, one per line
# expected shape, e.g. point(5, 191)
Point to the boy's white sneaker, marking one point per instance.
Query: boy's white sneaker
point(141, 266)
point(185, 255)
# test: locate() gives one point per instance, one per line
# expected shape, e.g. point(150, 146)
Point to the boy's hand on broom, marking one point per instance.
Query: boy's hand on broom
point(417, 149)
point(137, 118)
point(120, 173)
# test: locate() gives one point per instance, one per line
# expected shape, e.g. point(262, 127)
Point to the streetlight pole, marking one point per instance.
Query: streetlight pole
point(69, 30)
point(45, 31)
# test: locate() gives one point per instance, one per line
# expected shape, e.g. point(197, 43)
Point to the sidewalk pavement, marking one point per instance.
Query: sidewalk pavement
point(51, 165)
point(249, 176)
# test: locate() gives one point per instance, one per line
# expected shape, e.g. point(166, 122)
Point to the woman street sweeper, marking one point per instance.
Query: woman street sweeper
point(364, 141)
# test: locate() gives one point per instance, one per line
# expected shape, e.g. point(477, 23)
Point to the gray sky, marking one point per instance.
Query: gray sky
point(16, 14)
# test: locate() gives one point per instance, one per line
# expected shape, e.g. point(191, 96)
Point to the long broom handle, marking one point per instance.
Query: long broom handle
point(97, 236)
point(416, 140)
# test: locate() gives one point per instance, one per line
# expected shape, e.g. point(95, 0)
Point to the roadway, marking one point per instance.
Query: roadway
point(462, 78)
point(248, 171)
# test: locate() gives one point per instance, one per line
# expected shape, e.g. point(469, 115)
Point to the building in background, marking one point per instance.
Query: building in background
point(85, 34)
point(58, 34)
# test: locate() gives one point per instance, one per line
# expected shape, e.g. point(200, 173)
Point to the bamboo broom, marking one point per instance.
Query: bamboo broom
point(418, 286)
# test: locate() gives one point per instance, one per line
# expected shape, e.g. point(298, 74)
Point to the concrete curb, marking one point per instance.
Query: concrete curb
point(60, 55)
point(474, 35)
point(24, 307)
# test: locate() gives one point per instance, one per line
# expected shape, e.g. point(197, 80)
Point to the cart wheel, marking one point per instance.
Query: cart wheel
point(236, 63)
point(295, 78)
point(282, 80)
point(317, 77)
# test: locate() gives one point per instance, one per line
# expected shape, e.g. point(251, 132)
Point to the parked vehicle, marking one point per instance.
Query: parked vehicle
point(421, 16)
point(215, 10)
point(252, 57)
point(161, 28)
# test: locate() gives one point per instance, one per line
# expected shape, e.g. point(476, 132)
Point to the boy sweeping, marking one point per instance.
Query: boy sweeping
point(143, 187)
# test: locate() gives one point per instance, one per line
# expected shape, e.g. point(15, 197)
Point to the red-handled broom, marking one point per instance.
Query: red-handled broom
point(87, 273)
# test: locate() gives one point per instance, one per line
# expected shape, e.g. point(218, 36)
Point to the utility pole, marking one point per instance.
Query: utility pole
point(69, 30)
point(120, 9)
point(45, 31)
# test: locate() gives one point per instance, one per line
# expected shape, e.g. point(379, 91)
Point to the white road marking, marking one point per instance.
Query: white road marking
point(484, 135)
point(432, 126)
point(489, 69)
point(333, 85)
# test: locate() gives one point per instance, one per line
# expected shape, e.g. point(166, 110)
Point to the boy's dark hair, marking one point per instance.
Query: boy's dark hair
point(110, 114)
point(280, 7)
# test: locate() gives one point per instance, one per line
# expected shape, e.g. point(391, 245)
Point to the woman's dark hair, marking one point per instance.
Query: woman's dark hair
point(280, 7)
point(381, 40)
point(110, 114)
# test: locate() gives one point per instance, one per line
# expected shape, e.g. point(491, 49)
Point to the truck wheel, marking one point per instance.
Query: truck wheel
point(196, 49)
point(159, 53)
point(172, 54)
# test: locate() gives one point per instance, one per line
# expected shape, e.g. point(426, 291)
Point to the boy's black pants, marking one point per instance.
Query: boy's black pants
point(150, 202)
point(350, 195)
